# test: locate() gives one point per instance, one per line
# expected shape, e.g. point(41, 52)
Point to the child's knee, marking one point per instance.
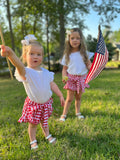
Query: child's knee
point(78, 96)
point(32, 125)
point(69, 100)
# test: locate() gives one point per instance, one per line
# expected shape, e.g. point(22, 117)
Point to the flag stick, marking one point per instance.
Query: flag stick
point(3, 42)
point(98, 32)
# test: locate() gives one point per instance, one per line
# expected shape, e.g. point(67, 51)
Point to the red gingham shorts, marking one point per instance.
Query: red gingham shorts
point(76, 83)
point(35, 112)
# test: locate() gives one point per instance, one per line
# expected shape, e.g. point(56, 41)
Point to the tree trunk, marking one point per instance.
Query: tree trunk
point(10, 25)
point(34, 24)
point(47, 33)
point(22, 27)
point(62, 27)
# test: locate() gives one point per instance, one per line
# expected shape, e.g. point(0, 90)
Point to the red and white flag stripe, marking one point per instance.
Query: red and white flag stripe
point(98, 64)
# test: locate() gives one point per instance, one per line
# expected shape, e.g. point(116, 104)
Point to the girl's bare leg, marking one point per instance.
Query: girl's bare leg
point(77, 102)
point(32, 133)
point(46, 131)
point(69, 99)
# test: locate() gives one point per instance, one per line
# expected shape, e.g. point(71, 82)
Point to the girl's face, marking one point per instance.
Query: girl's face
point(75, 41)
point(34, 57)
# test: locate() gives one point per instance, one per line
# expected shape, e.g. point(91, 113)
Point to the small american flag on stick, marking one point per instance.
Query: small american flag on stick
point(100, 59)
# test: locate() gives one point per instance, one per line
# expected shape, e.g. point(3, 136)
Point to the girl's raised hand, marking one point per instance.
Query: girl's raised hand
point(5, 51)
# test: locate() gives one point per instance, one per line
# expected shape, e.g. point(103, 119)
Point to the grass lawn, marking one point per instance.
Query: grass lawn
point(95, 138)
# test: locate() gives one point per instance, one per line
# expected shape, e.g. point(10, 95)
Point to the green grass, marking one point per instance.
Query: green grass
point(95, 138)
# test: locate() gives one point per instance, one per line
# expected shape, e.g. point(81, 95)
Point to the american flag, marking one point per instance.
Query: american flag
point(100, 59)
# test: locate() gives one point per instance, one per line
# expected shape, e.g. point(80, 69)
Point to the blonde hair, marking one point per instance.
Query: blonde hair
point(26, 48)
point(82, 47)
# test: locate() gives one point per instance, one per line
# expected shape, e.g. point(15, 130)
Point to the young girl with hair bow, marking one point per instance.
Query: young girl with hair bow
point(38, 83)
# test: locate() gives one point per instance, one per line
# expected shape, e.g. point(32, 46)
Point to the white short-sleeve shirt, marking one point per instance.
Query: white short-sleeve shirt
point(76, 64)
point(37, 84)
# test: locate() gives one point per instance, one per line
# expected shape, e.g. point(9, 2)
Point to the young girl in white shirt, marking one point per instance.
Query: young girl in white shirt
point(76, 63)
point(38, 84)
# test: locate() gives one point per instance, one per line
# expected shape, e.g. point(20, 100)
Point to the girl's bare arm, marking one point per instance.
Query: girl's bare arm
point(64, 74)
point(56, 90)
point(64, 71)
point(89, 64)
point(8, 52)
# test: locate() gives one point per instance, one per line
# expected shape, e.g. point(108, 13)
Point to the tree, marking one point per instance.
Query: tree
point(28, 17)
point(109, 45)
point(91, 43)
point(65, 8)
point(10, 23)
point(108, 10)
point(31, 17)
point(115, 37)
point(69, 9)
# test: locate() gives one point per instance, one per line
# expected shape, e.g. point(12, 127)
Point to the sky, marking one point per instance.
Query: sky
point(92, 21)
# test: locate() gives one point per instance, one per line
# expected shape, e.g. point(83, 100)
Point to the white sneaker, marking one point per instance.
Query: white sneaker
point(79, 116)
point(62, 118)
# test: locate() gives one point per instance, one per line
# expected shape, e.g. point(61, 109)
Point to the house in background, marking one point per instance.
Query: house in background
point(116, 57)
